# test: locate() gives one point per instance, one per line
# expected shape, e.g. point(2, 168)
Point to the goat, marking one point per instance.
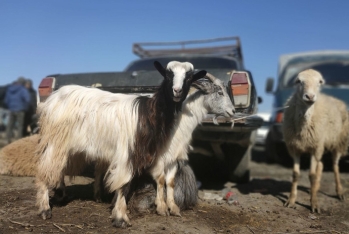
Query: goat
point(206, 96)
point(127, 131)
point(209, 97)
point(313, 123)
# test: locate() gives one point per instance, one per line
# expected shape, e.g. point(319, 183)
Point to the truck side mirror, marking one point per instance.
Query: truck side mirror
point(269, 85)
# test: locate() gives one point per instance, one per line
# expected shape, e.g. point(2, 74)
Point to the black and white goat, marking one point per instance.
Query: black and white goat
point(208, 96)
point(129, 132)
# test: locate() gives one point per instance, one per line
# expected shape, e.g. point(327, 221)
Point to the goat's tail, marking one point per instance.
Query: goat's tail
point(186, 190)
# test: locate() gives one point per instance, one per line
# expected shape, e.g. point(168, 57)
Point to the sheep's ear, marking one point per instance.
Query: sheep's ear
point(198, 75)
point(160, 68)
point(297, 80)
point(204, 85)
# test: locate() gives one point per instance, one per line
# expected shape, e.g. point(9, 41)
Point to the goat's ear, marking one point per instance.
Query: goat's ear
point(198, 75)
point(204, 85)
point(160, 68)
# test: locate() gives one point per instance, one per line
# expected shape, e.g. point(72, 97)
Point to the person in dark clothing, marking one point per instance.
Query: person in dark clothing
point(17, 99)
point(30, 113)
point(2, 107)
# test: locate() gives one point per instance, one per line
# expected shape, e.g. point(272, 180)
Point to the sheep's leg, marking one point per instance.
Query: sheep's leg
point(296, 173)
point(170, 183)
point(339, 189)
point(120, 218)
point(316, 168)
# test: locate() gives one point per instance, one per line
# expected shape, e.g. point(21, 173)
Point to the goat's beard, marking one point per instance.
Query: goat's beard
point(177, 99)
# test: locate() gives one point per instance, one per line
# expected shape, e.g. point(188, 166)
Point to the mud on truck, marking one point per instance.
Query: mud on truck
point(221, 57)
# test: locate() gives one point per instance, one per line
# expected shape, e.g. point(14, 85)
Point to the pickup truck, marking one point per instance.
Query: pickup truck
point(231, 145)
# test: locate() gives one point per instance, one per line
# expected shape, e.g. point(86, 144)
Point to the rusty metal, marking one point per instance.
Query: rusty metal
point(143, 49)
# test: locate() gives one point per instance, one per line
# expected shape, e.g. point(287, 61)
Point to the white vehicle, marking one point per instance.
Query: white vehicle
point(262, 132)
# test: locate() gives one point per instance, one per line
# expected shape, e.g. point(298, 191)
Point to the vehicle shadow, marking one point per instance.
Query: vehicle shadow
point(259, 156)
point(275, 188)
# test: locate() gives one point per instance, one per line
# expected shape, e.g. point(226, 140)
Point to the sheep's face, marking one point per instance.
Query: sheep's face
point(308, 85)
point(216, 98)
point(179, 76)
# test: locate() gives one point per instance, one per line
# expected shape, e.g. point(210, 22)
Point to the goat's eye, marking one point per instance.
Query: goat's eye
point(169, 74)
point(188, 75)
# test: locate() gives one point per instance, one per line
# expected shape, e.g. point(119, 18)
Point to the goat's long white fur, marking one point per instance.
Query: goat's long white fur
point(98, 142)
point(106, 127)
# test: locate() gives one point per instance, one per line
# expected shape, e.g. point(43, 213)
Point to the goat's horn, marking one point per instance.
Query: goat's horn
point(211, 77)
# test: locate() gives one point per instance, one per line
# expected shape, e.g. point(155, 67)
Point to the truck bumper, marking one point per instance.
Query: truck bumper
point(240, 133)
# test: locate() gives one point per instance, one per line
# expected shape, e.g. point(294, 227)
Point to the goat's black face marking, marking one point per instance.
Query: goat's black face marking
point(169, 74)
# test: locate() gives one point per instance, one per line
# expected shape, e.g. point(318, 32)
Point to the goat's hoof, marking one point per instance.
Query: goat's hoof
point(46, 214)
point(290, 204)
point(175, 211)
point(163, 212)
point(315, 209)
point(341, 197)
point(98, 200)
point(120, 223)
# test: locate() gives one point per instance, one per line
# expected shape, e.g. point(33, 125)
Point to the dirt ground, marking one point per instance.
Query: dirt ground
point(257, 207)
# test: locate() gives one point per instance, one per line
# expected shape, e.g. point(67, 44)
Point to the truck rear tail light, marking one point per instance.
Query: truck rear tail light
point(46, 88)
point(279, 117)
point(241, 88)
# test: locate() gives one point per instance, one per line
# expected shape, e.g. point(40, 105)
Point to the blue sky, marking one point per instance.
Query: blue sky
point(39, 38)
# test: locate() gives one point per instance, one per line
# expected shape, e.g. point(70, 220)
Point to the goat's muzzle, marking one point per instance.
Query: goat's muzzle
point(177, 95)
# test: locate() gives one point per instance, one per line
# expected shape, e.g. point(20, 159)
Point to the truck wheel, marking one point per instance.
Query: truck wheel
point(237, 162)
point(270, 150)
point(276, 152)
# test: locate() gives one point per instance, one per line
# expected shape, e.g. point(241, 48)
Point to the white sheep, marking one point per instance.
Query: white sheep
point(314, 122)
point(129, 132)
point(18, 158)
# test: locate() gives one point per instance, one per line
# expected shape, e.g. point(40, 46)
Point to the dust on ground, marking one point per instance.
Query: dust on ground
point(258, 207)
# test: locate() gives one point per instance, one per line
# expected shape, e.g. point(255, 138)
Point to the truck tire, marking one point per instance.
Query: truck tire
point(270, 150)
point(237, 160)
point(276, 152)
